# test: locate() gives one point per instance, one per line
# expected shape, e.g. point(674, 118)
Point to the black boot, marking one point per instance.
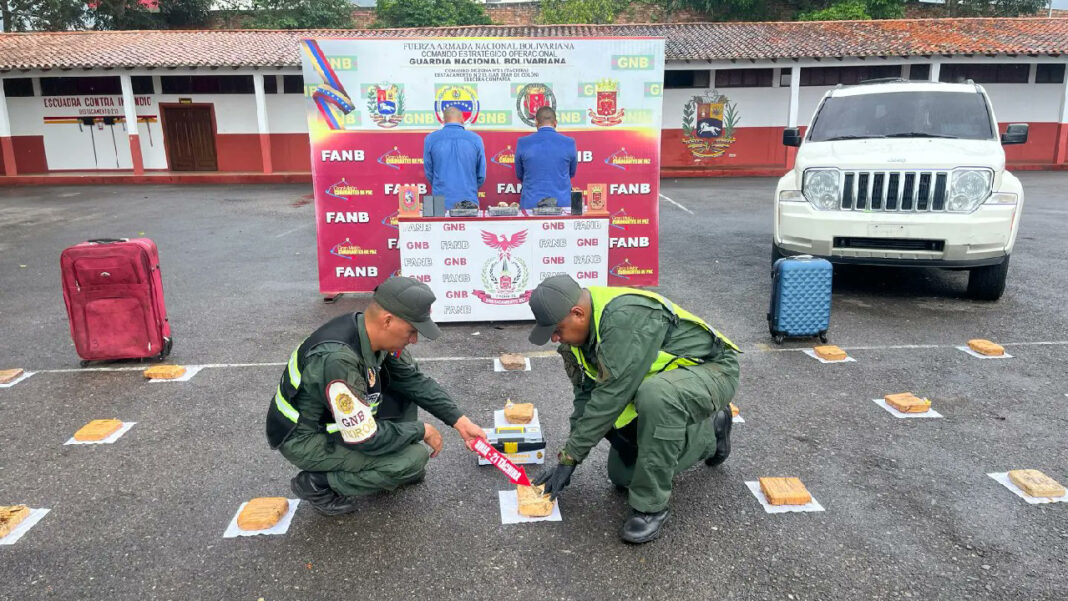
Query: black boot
point(314, 487)
point(643, 527)
point(721, 423)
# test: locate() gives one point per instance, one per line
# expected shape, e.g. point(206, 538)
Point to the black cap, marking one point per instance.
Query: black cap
point(551, 302)
point(409, 300)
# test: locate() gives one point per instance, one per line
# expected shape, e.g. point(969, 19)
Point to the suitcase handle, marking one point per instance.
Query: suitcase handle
point(108, 240)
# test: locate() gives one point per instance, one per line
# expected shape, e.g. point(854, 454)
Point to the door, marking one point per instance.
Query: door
point(190, 138)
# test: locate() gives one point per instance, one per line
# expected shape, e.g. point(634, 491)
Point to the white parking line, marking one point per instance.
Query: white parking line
point(298, 228)
point(759, 348)
point(766, 348)
point(676, 204)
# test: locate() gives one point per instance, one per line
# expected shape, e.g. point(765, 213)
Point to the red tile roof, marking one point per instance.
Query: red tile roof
point(685, 41)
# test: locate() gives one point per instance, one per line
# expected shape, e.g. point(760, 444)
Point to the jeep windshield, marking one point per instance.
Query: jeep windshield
point(961, 115)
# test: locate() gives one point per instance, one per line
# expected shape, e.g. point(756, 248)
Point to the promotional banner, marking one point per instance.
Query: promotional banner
point(485, 269)
point(371, 102)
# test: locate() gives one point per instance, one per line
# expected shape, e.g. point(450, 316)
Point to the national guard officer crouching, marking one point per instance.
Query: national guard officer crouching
point(649, 376)
point(345, 408)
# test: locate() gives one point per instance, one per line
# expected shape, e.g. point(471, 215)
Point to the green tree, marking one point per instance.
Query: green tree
point(580, 11)
point(300, 14)
point(122, 14)
point(847, 10)
point(722, 10)
point(185, 14)
point(429, 13)
point(886, 9)
point(43, 15)
point(994, 8)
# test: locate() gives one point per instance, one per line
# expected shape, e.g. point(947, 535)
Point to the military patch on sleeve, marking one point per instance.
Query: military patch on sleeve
point(352, 416)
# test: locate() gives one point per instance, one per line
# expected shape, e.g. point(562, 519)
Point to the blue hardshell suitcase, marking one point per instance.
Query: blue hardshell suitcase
point(800, 298)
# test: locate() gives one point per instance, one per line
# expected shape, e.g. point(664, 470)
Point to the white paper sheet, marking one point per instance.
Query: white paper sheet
point(812, 353)
point(24, 526)
point(498, 367)
point(500, 422)
point(929, 413)
point(109, 440)
point(510, 510)
point(968, 350)
point(754, 487)
point(737, 419)
point(281, 527)
point(1003, 478)
point(24, 375)
point(190, 371)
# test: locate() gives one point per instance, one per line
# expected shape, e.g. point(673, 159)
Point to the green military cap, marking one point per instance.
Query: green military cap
point(409, 300)
point(550, 302)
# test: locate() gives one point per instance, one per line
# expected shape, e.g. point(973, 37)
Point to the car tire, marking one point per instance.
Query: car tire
point(988, 283)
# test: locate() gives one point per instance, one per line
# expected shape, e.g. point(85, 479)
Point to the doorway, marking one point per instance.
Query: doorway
point(189, 136)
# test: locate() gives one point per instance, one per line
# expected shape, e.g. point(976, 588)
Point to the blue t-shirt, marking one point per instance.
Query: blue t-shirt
point(454, 161)
point(545, 161)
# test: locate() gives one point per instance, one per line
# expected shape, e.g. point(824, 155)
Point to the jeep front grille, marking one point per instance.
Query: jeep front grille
point(899, 191)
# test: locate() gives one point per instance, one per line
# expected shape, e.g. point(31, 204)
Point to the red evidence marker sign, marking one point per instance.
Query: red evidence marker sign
point(497, 459)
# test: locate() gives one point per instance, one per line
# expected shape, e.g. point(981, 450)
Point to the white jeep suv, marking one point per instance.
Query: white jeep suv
point(903, 173)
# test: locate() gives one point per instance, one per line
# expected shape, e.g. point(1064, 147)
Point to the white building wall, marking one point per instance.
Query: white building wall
point(1025, 103)
point(286, 114)
point(757, 107)
point(27, 116)
point(234, 113)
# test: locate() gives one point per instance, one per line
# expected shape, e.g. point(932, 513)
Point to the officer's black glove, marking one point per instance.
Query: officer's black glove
point(557, 478)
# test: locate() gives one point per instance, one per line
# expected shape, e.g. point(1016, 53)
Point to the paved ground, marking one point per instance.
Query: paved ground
point(910, 511)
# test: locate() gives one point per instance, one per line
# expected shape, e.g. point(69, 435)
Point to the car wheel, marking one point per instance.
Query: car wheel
point(988, 283)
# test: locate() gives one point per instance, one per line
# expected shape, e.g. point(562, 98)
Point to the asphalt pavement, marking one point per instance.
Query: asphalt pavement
point(909, 509)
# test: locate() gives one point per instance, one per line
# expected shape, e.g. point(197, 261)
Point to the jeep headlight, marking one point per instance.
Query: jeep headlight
point(968, 188)
point(822, 188)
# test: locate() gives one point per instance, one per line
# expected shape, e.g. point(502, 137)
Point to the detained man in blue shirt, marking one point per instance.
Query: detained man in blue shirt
point(545, 162)
point(454, 160)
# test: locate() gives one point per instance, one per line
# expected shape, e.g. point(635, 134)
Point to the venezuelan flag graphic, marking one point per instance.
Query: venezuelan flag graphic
point(333, 102)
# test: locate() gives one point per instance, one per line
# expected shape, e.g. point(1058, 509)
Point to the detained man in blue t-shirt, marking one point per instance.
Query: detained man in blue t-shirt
point(545, 162)
point(454, 160)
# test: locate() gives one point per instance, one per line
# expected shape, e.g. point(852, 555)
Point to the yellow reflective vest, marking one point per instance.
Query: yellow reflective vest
point(600, 296)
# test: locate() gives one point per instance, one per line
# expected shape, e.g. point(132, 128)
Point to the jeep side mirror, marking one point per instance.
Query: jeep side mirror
point(1015, 133)
point(791, 136)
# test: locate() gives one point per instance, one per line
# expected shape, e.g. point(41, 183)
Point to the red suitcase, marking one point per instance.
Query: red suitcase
point(114, 297)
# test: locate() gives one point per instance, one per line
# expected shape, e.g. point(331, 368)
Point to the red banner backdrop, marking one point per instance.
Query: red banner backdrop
point(361, 159)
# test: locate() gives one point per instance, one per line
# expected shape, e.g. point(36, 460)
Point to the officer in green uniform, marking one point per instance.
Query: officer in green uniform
point(345, 411)
point(651, 377)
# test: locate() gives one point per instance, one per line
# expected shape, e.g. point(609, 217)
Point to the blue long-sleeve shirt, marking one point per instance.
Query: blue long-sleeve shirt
point(454, 161)
point(545, 162)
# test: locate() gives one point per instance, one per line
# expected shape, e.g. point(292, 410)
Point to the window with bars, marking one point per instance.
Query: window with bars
point(686, 78)
point(292, 84)
point(207, 84)
point(744, 78)
point(18, 87)
point(832, 76)
point(81, 86)
point(985, 72)
point(1049, 73)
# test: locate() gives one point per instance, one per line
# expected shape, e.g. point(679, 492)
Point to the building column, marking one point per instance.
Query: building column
point(130, 112)
point(791, 119)
point(261, 122)
point(8, 148)
point(1060, 151)
point(936, 70)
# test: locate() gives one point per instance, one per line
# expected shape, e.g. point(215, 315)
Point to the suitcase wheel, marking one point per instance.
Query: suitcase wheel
point(823, 337)
point(779, 338)
point(167, 344)
point(84, 363)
